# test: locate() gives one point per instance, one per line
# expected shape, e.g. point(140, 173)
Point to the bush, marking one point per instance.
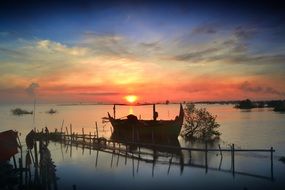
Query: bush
point(199, 124)
point(19, 111)
point(245, 104)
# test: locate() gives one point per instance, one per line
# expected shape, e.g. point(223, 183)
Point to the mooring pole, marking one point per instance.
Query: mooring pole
point(97, 133)
point(154, 112)
point(114, 109)
point(221, 153)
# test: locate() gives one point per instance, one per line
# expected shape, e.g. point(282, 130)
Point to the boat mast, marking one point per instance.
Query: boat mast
point(154, 113)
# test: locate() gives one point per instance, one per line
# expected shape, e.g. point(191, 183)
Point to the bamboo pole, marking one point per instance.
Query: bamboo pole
point(71, 132)
point(83, 135)
point(221, 153)
point(97, 133)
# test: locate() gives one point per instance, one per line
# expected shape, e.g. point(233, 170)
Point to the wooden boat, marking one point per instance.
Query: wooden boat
point(8, 144)
point(134, 129)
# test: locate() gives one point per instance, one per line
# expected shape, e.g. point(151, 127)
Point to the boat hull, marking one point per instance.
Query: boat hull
point(159, 131)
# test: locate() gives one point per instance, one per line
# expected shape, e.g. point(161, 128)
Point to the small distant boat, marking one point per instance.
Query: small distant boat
point(136, 129)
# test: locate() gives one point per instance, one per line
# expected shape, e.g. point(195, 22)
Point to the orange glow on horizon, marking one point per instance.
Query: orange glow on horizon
point(131, 98)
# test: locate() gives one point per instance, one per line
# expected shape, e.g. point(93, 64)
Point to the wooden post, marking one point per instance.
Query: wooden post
point(97, 133)
point(66, 130)
point(83, 135)
point(71, 132)
point(233, 159)
point(62, 123)
point(114, 109)
point(154, 112)
point(221, 153)
point(271, 157)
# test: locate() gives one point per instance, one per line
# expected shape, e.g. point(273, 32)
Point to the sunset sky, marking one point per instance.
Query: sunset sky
point(68, 51)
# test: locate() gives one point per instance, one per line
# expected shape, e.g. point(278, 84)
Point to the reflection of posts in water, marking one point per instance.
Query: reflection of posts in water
point(181, 162)
point(138, 165)
point(70, 149)
point(90, 143)
point(96, 162)
point(156, 146)
point(271, 159)
point(118, 157)
point(36, 154)
point(133, 164)
point(170, 162)
point(21, 174)
point(206, 156)
point(112, 160)
point(233, 159)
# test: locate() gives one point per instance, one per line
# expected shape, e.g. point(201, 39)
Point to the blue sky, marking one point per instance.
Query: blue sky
point(232, 49)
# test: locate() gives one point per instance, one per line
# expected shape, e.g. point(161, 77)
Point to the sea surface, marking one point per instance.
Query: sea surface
point(91, 169)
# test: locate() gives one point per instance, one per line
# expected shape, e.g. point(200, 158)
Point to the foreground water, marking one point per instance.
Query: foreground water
point(258, 128)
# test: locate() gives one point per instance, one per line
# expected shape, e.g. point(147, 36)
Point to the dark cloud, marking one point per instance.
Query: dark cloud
point(206, 28)
point(100, 94)
point(196, 56)
point(247, 87)
point(10, 52)
point(244, 33)
point(150, 45)
point(259, 59)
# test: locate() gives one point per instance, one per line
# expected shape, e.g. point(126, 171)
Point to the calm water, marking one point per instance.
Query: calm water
point(258, 128)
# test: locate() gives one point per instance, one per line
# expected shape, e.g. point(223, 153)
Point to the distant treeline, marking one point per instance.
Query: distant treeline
point(277, 105)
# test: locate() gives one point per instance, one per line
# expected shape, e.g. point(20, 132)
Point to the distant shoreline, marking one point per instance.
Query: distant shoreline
point(231, 102)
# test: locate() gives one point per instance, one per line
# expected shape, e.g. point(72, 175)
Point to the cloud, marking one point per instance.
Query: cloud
point(244, 33)
point(106, 44)
point(60, 48)
point(10, 52)
point(206, 28)
point(100, 94)
point(247, 87)
point(150, 45)
point(31, 89)
point(197, 55)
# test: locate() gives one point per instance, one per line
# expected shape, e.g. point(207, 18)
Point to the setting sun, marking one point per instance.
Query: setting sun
point(131, 98)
